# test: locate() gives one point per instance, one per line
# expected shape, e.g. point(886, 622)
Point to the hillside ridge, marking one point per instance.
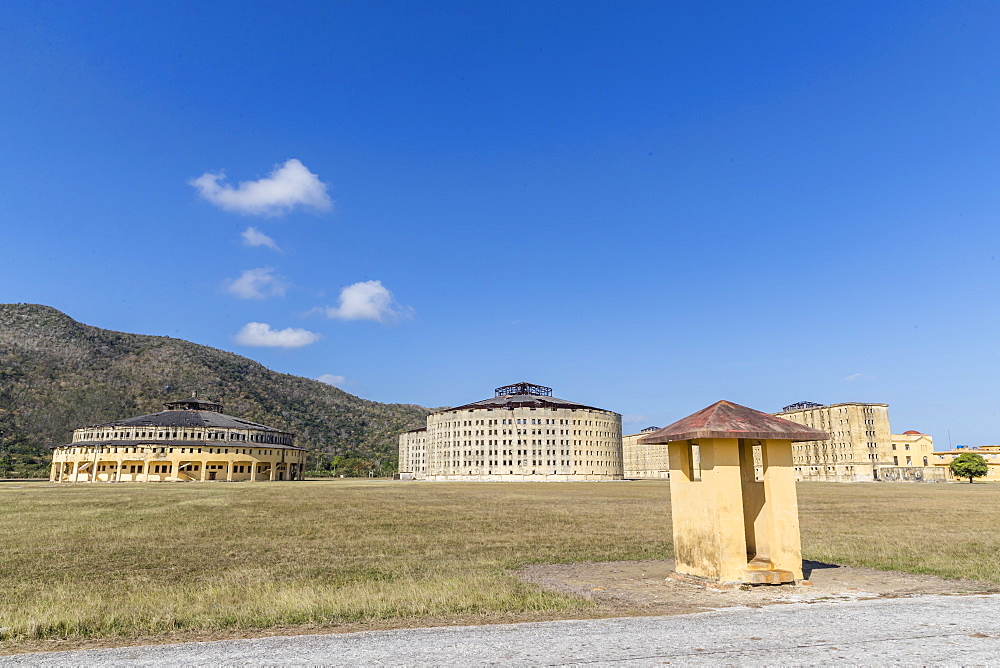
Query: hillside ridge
point(57, 374)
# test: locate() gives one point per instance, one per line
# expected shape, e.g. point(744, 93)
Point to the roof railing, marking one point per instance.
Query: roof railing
point(802, 405)
point(524, 388)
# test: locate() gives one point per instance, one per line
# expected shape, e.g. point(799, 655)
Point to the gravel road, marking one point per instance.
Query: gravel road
point(921, 630)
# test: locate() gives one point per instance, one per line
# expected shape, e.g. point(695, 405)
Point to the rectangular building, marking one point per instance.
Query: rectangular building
point(860, 441)
point(990, 453)
point(644, 461)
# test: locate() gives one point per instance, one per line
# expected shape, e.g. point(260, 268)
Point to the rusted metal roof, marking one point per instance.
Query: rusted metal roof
point(184, 418)
point(522, 395)
point(724, 419)
point(194, 404)
point(512, 401)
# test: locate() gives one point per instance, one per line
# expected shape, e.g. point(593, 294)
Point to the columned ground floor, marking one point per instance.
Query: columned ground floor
point(114, 463)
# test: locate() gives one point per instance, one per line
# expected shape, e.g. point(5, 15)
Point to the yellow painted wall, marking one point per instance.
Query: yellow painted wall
point(719, 507)
point(914, 446)
point(990, 453)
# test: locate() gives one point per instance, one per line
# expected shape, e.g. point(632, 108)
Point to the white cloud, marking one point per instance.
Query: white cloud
point(332, 379)
point(261, 334)
point(289, 185)
point(368, 300)
point(257, 284)
point(857, 376)
point(254, 237)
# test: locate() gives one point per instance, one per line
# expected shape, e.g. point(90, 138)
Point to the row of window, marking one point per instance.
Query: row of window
point(473, 423)
point(87, 435)
point(163, 450)
point(510, 441)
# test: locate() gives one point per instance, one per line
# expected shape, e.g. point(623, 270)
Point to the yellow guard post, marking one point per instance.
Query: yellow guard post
point(732, 494)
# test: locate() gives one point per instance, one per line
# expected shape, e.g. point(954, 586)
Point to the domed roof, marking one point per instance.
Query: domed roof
point(523, 395)
point(913, 432)
point(191, 412)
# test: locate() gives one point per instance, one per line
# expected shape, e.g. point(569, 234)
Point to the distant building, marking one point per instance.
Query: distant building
point(522, 433)
point(911, 448)
point(413, 453)
point(192, 440)
point(644, 461)
point(860, 441)
point(991, 453)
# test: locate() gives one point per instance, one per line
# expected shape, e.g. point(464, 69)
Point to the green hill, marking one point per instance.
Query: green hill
point(57, 374)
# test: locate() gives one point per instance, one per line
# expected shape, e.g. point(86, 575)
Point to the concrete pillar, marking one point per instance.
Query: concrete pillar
point(229, 471)
point(274, 471)
point(204, 469)
point(253, 471)
point(118, 473)
point(76, 471)
point(52, 472)
point(175, 469)
point(782, 509)
point(709, 532)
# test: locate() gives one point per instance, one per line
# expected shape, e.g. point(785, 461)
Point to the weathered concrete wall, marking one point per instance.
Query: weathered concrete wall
point(413, 452)
point(910, 474)
point(860, 441)
point(644, 461)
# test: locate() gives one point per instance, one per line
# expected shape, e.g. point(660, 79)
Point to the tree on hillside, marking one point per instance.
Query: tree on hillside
point(969, 465)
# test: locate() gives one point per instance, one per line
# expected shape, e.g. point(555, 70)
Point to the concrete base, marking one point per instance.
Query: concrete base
point(762, 571)
point(771, 577)
point(751, 576)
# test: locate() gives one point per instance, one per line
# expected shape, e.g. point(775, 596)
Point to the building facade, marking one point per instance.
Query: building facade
point(523, 433)
point(413, 453)
point(990, 453)
point(860, 440)
point(644, 461)
point(862, 447)
point(192, 440)
point(911, 448)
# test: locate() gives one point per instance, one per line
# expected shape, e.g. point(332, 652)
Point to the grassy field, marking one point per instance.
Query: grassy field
point(127, 561)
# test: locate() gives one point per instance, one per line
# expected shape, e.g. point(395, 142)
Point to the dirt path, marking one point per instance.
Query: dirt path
point(630, 586)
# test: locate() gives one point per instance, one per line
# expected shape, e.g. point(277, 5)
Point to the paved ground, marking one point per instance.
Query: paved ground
point(931, 629)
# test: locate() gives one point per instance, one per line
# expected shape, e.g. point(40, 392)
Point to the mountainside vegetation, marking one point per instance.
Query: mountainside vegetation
point(57, 374)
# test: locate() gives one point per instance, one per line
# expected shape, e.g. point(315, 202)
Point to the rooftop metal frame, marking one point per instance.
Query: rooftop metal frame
point(524, 388)
point(801, 405)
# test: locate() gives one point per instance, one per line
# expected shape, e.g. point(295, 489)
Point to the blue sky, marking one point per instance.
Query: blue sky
point(647, 206)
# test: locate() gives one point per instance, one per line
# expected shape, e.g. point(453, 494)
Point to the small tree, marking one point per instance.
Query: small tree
point(969, 465)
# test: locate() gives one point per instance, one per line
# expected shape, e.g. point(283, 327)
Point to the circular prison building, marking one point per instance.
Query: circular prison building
point(521, 434)
point(192, 440)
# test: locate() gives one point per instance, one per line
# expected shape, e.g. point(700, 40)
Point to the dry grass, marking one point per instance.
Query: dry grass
point(948, 530)
point(123, 561)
